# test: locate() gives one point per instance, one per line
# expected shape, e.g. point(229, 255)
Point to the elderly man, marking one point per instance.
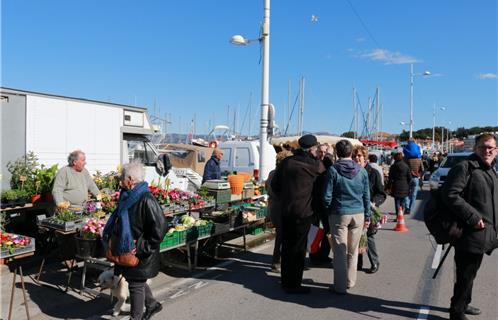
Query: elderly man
point(139, 227)
point(293, 185)
point(73, 182)
point(471, 194)
point(212, 169)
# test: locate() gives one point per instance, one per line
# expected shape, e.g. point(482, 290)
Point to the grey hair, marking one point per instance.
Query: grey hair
point(73, 156)
point(134, 170)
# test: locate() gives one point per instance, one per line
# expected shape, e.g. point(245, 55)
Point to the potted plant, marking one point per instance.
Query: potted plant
point(45, 178)
point(9, 199)
point(90, 233)
point(21, 197)
point(23, 172)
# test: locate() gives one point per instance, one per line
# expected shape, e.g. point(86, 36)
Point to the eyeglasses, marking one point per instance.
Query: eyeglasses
point(487, 148)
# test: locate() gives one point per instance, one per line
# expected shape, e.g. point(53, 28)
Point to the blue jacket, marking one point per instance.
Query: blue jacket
point(347, 190)
point(412, 150)
point(212, 169)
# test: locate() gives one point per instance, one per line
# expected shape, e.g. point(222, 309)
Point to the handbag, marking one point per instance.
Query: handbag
point(127, 259)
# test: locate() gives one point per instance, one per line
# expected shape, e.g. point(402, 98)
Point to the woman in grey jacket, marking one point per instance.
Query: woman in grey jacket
point(347, 199)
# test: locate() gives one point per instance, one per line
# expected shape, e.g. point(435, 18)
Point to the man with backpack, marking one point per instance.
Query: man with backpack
point(471, 195)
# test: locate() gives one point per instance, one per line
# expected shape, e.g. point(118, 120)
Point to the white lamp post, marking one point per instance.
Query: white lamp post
point(412, 75)
point(442, 108)
point(265, 87)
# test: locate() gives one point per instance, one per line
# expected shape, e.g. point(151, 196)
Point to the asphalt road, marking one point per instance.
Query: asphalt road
point(245, 288)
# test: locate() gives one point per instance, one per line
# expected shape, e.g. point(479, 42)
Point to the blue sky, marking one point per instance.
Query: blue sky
point(176, 55)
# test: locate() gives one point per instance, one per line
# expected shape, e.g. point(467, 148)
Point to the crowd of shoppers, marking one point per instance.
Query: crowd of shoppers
point(339, 196)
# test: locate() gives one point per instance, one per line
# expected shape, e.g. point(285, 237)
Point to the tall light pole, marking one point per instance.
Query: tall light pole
point(442, 108)
point(265, 87)
point(412, 75)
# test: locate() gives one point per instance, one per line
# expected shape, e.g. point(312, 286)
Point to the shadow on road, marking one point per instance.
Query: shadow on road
point(256, 266)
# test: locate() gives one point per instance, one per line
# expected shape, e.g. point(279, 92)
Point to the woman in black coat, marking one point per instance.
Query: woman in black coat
point(399, 182)
point(146, 229)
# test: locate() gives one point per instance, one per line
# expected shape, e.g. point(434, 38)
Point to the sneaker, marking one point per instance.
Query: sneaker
point(275, 267)
point(473, 311)
point(149, 312)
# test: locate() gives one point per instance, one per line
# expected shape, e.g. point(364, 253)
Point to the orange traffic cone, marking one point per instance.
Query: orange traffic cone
point(400, 222)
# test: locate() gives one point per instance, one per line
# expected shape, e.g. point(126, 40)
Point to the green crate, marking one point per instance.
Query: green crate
point(262, 213)
point(170, 240)
point(189, 234)
point(257, 230)
point(205, 230)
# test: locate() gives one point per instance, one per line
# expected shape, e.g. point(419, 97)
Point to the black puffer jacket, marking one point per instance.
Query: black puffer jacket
point(148, 226)
point(399, 179)
point(478, 201)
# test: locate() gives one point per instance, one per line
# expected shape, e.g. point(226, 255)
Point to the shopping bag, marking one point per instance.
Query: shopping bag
point(315, 236)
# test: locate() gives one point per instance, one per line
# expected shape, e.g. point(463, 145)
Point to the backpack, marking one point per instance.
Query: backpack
point(439, 220)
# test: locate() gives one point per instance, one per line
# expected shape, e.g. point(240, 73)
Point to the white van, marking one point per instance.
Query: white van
point(243, 156)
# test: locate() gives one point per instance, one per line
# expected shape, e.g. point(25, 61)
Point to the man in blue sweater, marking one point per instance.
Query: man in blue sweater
point(212, 169)
point(347, 199)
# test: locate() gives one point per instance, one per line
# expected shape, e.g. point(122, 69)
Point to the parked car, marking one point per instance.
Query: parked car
point(438, 177)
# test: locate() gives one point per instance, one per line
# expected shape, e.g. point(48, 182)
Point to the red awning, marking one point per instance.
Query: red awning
point(387, 144)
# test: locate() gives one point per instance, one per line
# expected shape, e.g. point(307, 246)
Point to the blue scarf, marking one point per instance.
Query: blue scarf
point(122, 228)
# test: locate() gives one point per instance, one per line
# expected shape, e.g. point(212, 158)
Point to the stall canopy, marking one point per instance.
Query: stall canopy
point(386, 144)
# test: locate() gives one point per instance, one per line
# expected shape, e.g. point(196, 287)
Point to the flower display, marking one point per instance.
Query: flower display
point(90, 207)
point(10, 242)
point(92, 229)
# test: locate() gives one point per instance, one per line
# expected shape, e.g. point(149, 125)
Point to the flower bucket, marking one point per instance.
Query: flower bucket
point(35, 198)
point(236, 183)
point(85, 247)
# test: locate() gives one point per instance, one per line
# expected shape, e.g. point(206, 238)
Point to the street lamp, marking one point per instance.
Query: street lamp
point(265, 87)
point(412, 75)
point(442, 108)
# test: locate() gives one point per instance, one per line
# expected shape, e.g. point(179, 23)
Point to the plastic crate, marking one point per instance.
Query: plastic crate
point(187, 235)
point(262, 213)
point(221, 196)
point(170, 240)
point(205, 230)
point(257, 230)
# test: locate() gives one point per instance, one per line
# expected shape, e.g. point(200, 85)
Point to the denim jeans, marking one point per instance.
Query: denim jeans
point(400, 202)
point(413, 193)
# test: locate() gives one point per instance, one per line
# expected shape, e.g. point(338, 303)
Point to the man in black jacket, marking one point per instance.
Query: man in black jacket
point(471, 193)
point(293, 184)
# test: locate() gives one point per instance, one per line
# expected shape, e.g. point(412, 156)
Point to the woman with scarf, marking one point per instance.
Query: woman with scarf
point(137, 226)
point(347, 199)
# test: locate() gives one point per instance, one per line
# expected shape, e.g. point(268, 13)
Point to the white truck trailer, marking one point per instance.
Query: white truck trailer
point(52, 126)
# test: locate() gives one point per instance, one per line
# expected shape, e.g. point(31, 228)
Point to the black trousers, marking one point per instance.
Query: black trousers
point(467, 265)
point(140, 294)
point(372, 254)
point(294, 241)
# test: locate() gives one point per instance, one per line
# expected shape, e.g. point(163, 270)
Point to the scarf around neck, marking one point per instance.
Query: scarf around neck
point(119, 222)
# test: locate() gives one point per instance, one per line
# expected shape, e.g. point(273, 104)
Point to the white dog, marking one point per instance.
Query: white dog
point(119, 289)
